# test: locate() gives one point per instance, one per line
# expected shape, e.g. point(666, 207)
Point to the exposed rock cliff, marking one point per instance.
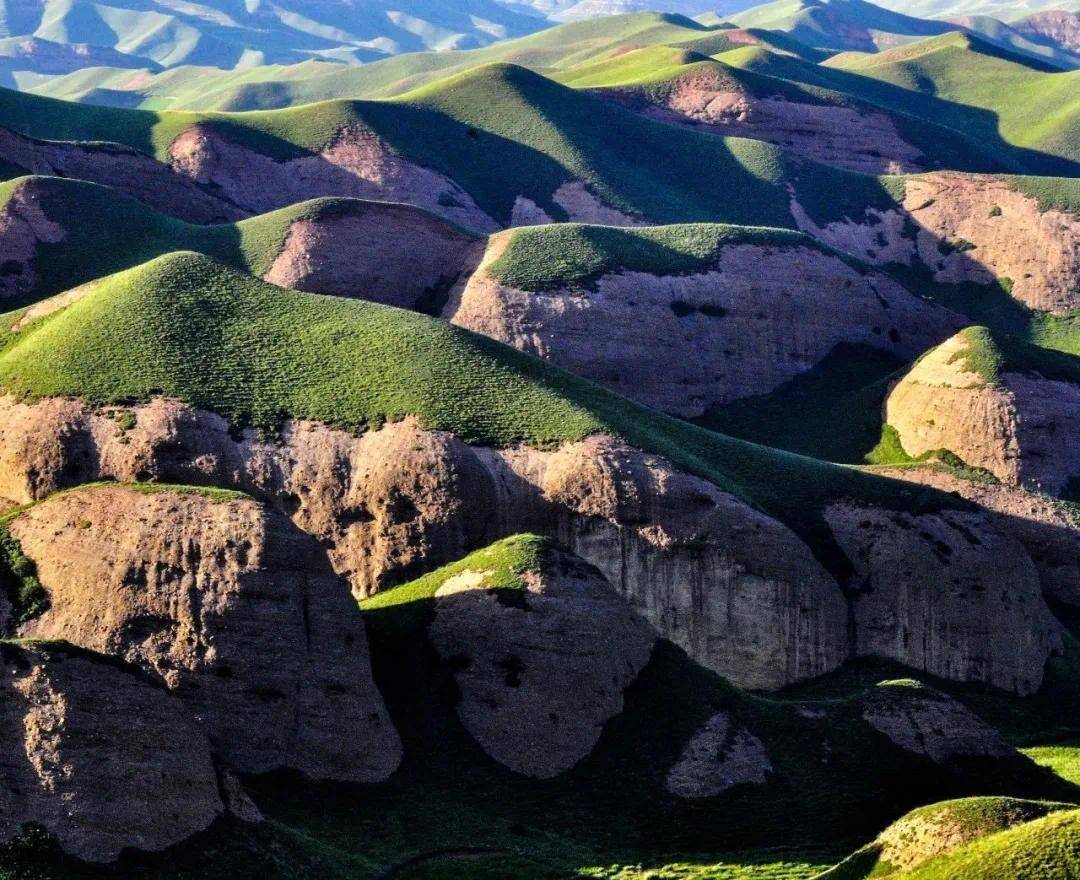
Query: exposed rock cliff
point(233, 607)
point(356, 164)
point(1021, 427)
point(685, 342)
point(718, 757)
point(102, 760)
point(128, 170)
point(541, 669)
point(970, 227)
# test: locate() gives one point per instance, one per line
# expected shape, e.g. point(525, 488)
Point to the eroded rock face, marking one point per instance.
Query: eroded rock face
point(234, 608)
point(23, 227)
point(392, 254)
point(1046, 528)
point(738, 590)
point(357, 164)
point(123, 168)
point(1021, 429)
point(927, 722)
point(685, 343)
point(718, 757)
point(580, 205)
point(947, 594)
point(969, 227)
point(102, 760)
point(542, 670)
point(1056, 25)
point(841, 136)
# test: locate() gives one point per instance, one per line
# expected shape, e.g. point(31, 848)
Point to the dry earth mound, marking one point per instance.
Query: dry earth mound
point(1019, 420)
point(967, 227)
point(101, 759)
point(236, 610)
point(719, 756)
point(543, 664)
point(686, 339)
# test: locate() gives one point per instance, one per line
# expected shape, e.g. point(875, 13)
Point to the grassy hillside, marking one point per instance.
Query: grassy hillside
point(501, 131)
point(190, 328)
point(98, 223)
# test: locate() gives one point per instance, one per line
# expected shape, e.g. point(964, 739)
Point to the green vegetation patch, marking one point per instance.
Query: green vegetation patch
point(18, 577)
point(542, 258)
point(990, 355)
point(1062, 758)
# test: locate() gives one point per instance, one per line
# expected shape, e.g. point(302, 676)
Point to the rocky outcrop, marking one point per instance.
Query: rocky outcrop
point(947, 594)
point(540, 670)
point(927, 722)
point(23, 227)
point(397, 255)
point(1055, 26)
point(718, 757)
point(1048, 529)
point(737, 589)
point(357, 164)
point(685, 343)
point(845, 137)
point(125, 169)
point(232, 607)
point(102, 760)
point(1021, 428)
point(969, 228)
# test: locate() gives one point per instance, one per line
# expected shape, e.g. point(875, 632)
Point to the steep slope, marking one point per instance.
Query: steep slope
point(685, 318)
point(57, 234)
point(998, 404)
point(272, 358)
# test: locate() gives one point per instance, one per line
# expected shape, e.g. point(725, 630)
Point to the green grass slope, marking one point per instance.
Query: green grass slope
point(106, 231)
point(188, 327)
point(501, 131)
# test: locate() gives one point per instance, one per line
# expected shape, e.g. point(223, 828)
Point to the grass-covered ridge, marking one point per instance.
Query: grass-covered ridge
point(187, 327)
point(990, 355)
point(106, 231)
point(540, 258)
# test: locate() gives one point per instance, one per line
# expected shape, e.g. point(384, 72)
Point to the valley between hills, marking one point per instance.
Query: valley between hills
point(539, 440)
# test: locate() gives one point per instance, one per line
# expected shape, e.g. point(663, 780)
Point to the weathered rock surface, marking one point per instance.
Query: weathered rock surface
point(845, 137)
point(23, 227)
point(738, 590)
point(969, 227)
point(356, 164)
point(393, 254)
point(1022, 429)
point(718, 757)
point(684, 343)
point(1048, 530)
point(579, 203)
point(102, 760)
point(543, 670)
point(233, 607)
point(1054, 25)
point(927, 722)
point(124, 168)
point(947, 594)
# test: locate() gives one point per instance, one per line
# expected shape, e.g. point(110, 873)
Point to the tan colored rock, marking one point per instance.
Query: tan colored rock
point(397, 255)
point(738, 590)
point(1022, 430)
point(541, 672)
point(356, 164)
point(947, 594)
point(718, 757)
point(236, 611)
point(1049, 531)
point(123, 168)
point(1039, 251)
point(685, 343)
point(844, 137)
point(102, 760)
point(23, 227)
point(927, 722)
